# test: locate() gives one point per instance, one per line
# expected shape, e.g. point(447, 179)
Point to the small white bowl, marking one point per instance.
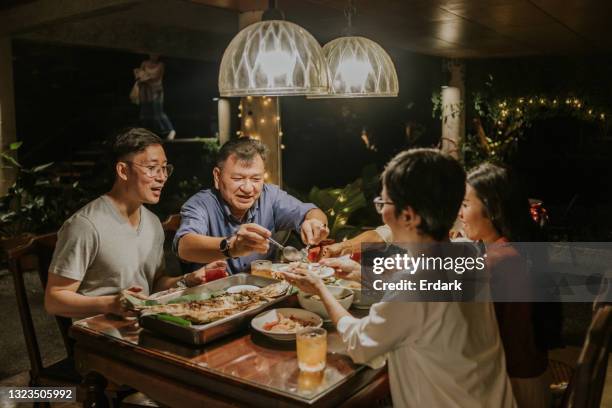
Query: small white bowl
point(314, 304)
point(270, 316)
point(360, 301)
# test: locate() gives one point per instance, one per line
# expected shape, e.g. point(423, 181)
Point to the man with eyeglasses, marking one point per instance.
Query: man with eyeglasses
point(114, 243)
point(234, 220)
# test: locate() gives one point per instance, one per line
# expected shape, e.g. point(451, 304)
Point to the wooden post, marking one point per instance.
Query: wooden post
point(453, 109)
point(451, 121)
point(260, 118)
point(225, 120)
point(8, 132)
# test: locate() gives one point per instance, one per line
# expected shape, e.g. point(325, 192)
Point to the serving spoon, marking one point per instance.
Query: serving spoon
point(289, 253)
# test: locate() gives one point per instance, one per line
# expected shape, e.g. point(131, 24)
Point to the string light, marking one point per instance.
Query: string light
point(510, 119)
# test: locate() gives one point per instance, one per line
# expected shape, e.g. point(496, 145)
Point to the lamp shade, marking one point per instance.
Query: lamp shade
point(359, 67)
point(274, 58)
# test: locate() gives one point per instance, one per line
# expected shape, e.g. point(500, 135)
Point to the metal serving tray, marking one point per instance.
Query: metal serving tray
point(205, 333)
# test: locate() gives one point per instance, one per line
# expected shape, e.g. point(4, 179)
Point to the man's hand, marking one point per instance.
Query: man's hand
point(120, 306)
point(250, 238)
point(313, 231)
point(345, 268)
point(208, 273)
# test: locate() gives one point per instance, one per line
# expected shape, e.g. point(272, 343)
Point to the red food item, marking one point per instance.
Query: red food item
point(314, 254)
point(214, 274)
point(356, 256)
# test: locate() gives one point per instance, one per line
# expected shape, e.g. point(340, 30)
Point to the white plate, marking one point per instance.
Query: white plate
point(270, 316)
point(280, 267)
point(242, 288)
point(324, 272)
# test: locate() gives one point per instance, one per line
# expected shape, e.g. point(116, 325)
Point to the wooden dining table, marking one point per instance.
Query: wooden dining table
point(242, 369)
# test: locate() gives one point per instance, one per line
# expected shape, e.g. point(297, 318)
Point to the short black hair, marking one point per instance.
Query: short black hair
point(505, 202)
point(243, 147)
point(431, 183)
point(130, 141)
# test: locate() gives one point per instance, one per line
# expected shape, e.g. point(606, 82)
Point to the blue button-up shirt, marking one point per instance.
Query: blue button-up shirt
point(206, 213)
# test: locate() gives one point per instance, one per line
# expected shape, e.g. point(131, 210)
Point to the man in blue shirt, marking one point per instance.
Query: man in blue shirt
point(235, 219)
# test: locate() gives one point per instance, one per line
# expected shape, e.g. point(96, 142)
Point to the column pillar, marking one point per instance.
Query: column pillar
point(260, 118)
point(453, 109)
point(225, 120)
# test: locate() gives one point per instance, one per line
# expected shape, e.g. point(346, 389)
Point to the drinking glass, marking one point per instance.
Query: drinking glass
point(311, 343)
point(261, 267)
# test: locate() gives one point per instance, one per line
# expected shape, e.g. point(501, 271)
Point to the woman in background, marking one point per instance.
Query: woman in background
point(495, 212)
point(150, 97)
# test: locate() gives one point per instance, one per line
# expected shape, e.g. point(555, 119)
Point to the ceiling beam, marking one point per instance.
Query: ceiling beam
point(142, 38)
point(235, 5)
point(41, 13)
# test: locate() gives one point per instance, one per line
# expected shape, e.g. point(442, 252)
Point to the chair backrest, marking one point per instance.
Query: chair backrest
point(41, 248)
point(586, 387)
point(172, 223)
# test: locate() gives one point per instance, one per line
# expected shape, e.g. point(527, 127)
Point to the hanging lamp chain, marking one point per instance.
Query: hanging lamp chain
point(273, 12)
point(349, 12)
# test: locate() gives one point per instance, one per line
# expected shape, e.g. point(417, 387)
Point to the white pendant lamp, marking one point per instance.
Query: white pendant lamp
point(273, 58)
point(359, 67)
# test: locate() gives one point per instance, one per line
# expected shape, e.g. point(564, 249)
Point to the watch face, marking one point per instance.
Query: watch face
point(223, 245)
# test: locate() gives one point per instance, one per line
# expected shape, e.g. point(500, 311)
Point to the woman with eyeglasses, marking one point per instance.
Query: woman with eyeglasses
point(496, 212)
point(439, 354)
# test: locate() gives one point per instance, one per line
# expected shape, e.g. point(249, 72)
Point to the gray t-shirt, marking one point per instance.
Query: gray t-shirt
point(101, 249)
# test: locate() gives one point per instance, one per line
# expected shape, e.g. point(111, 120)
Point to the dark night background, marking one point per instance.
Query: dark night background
point(68, 99)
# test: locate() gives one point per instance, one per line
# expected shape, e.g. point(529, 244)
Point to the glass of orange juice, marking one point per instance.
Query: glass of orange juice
point(261, 267)
point(311, 343)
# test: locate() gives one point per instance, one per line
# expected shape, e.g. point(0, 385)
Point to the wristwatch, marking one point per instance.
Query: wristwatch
point(224, 247)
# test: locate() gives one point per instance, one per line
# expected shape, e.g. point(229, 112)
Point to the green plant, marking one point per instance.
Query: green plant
point(37, 202)
point(339, 204)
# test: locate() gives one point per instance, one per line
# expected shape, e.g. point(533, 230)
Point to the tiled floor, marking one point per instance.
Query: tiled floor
point(567, 355)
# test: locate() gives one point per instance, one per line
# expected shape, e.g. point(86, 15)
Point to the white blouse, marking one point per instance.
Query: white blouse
point(439, 354)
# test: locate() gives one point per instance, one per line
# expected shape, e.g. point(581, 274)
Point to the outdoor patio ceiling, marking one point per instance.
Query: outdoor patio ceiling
point(202, 28)
point(457, 28)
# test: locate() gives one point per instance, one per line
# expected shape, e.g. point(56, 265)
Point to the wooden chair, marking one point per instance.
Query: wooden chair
point(172, 223)
point(586, 386)
point(62, 372)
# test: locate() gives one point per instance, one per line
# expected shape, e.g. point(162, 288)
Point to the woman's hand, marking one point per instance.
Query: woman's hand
point(331, 251)
point(345, 268)
point(304, 280)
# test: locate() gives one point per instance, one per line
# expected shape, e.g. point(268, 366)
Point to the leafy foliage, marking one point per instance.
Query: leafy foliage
point(36, 202)
point(339, 204)
point(496, 123)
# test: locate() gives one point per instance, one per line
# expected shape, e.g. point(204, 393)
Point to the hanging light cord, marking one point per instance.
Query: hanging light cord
point(273, 12)
point(349, 12)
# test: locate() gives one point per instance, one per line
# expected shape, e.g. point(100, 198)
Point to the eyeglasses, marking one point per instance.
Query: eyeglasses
point(155, 170)
point(379, 204)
